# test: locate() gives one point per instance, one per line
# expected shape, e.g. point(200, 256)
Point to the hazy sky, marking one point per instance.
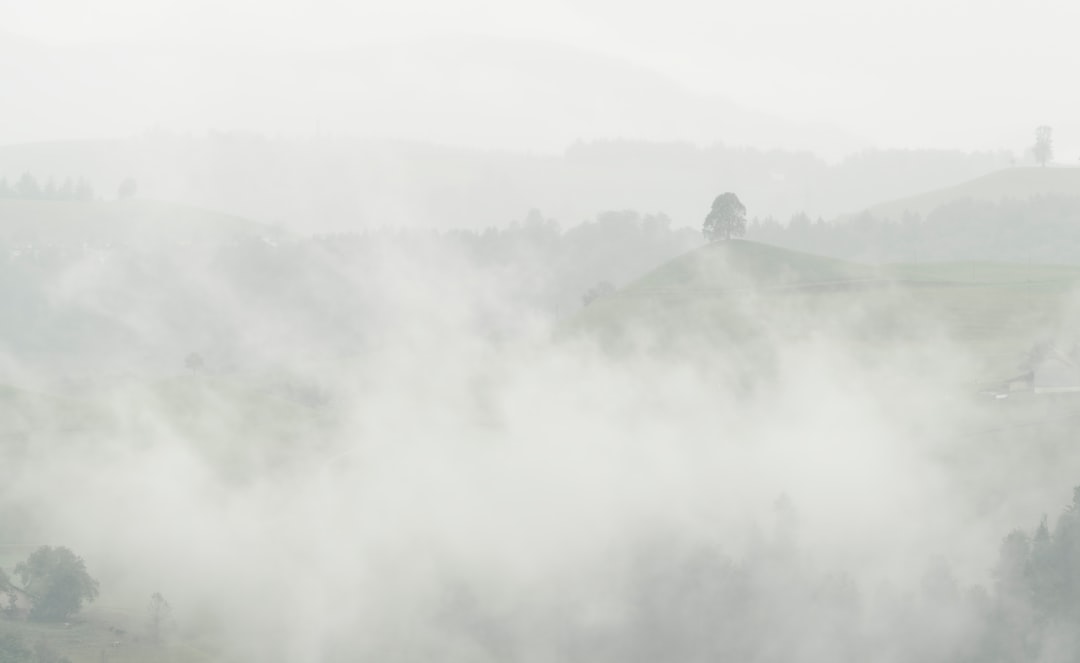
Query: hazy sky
point(917, 73)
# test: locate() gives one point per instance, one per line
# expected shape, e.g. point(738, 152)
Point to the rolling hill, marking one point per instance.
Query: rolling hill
point(748, 294)
point(736, 265)
point(1012, 183)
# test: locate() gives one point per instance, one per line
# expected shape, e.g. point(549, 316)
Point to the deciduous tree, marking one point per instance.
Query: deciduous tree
point(726, 219)
point(57, 583)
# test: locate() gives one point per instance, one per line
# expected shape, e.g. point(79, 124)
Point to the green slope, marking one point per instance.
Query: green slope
point(983, 272)
point(739, 293)
point(1014, 183)
point(739, 264)
point(92, 637)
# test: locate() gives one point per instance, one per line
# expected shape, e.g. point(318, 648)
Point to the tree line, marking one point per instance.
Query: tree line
point(684, 600)
point(27, 187)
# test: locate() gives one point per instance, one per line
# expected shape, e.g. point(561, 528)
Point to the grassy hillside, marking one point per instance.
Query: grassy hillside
point(1013, 183)
point(104, 635)
point(132, 222)
point(983, 273)
point(735, 265)
point(742, 293)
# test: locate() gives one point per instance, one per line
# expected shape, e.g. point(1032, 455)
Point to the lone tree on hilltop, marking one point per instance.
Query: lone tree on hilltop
point(1044, 147)
point(56, 581)
point(726, 219)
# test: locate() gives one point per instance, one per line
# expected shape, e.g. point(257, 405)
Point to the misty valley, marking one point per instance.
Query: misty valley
point(628, 438)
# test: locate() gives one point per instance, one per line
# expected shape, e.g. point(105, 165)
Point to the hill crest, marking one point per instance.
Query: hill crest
point(1012, 183)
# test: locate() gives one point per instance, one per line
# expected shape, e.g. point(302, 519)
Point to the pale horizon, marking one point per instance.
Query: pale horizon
point(886, 76)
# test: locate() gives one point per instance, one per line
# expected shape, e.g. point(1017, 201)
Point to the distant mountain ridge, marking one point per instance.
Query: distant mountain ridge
point(483, 92)
point(334, 185)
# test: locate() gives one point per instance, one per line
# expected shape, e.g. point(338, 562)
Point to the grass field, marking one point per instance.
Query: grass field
point(95, 638)
point(737, 291)
point(96, 634)
point(740, 265)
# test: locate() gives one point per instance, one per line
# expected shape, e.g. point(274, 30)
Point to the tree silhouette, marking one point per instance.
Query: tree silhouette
point(1044, 148)
point(726, 219)
point(57, 583)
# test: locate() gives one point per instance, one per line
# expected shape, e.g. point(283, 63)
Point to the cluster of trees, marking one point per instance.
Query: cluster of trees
point(678, 599)
point(1038, 590)
point(27, 187)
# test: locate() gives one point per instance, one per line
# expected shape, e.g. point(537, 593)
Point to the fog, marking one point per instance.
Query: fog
point(456, 477)
point(834, 78)
point(369, 334)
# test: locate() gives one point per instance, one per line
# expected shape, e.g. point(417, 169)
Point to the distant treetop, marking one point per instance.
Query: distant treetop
point(57, 583)
point(1043, 150)
point(27, 187)
point(726, 219)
